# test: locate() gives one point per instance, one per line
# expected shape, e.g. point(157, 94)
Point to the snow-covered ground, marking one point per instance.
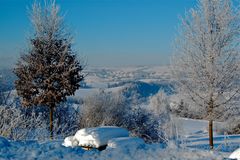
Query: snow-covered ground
point(190, 150)
point(195, 135)
point(151, 79)
point(29, 150)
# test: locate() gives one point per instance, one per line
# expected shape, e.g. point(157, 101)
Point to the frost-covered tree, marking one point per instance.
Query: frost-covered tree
point(207, 65)
point(50, 70)
point(159, 105)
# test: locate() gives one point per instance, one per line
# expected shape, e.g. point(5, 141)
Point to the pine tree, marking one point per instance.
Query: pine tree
point(50, 70)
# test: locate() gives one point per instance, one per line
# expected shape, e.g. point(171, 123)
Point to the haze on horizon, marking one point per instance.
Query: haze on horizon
point(106, 32)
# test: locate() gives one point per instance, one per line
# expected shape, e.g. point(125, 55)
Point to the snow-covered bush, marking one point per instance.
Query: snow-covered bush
point(186, 109)
point(231, 126)
point(142, 123)
point(103, 109)
point(113, 109)
point(66, 121)
point(159, 105)
point(32, 123)
point(16, 125)
point(5, 91)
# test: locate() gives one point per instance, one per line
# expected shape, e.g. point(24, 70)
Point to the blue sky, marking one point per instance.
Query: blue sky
point(107, 32)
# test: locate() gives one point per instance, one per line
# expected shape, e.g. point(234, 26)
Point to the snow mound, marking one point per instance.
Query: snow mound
point(125, 141)
point(95, 137)
point(70, 142)
point(235, 154)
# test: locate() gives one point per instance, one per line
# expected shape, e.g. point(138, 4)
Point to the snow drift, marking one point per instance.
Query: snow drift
point(235, 154)
point(95, 137)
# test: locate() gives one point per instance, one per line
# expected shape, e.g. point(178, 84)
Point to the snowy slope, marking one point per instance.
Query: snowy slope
point(195, 135)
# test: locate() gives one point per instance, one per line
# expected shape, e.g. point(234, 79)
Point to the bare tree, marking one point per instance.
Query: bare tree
point(50, 70)
point(207, 65)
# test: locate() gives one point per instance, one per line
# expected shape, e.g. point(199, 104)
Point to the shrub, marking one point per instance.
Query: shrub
point(19, 123)
point(103, 109)
point(16, 125)
point(113, 109)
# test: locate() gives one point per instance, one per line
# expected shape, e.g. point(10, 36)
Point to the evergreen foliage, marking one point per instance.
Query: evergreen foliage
point(50, 70)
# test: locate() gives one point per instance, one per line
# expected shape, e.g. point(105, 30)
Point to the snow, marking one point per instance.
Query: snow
point(29, 150)
point(193, 127)
point(125, 141)
point(129, 148)
point(85, 92)
point(95, 137)
point(99, 136)
point(70, 142)
point(116, 79)
point(235, 154)
point(194, 134)
point(54, 150)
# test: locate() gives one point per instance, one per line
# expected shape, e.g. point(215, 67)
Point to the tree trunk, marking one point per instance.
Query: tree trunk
point(210, 130)
point(51, 121)
point(210, 122)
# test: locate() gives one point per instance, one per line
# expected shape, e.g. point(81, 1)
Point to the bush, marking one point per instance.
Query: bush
point(103, 109)
point(19, 123)
point(142, 123)
point(188, 110)
point(5, 91)
point(231, 126)
point(113, 109)
point(16, 125)
point(159, 106)
point(66, 120)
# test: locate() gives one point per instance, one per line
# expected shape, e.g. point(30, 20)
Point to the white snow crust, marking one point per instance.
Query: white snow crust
point(125, 141)
point(95, 137)
point(235, 154)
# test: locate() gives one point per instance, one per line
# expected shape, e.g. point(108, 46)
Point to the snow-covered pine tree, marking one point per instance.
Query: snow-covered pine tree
point(50, 70)
point(207, 65)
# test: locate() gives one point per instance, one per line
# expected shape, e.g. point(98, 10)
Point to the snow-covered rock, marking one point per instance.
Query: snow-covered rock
point(99, 136)
point(70, 141)
point(235, 154)
point(125, 141)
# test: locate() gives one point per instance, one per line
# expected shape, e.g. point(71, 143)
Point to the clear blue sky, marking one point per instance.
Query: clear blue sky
point(107, 32)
